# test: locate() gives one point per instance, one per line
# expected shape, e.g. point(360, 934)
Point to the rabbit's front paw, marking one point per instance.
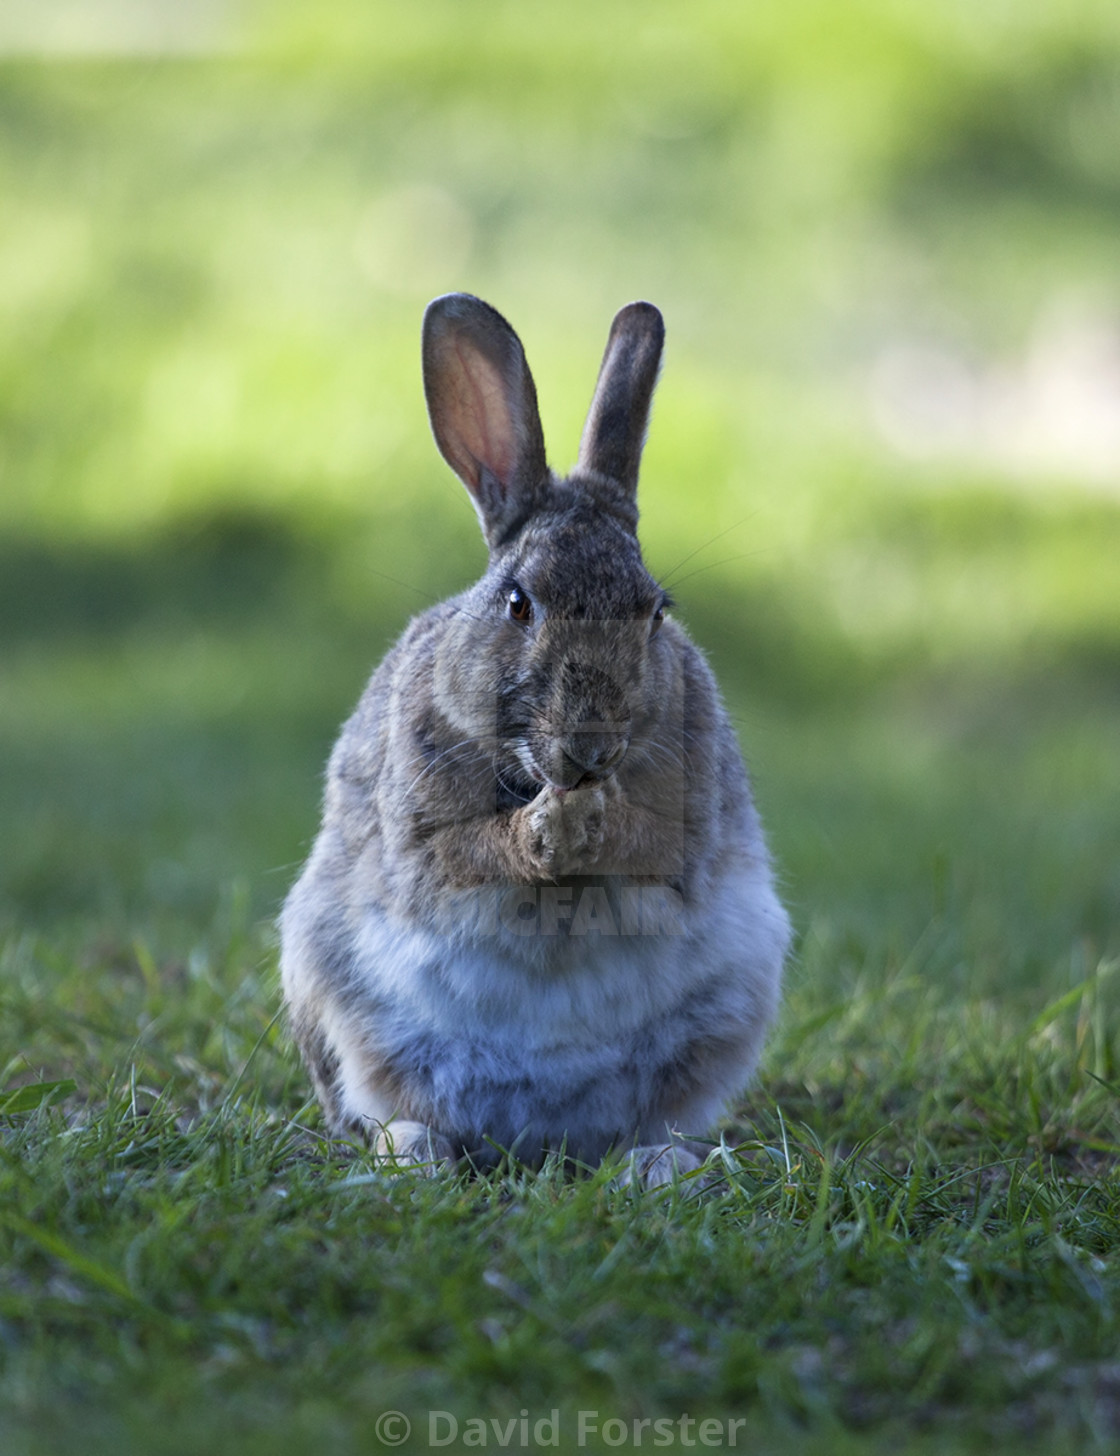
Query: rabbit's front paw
point(564, 829)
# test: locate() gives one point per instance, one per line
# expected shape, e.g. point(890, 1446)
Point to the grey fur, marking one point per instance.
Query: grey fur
point(578, 764)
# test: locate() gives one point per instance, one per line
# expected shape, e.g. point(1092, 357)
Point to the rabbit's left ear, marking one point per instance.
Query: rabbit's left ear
point(483, 409)
point(616, 423)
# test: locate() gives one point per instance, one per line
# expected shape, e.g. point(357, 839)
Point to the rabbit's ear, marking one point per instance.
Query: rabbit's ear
point(616, 423)
point(483, 409)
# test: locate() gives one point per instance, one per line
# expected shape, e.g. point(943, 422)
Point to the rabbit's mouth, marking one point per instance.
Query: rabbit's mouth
point(573, 765)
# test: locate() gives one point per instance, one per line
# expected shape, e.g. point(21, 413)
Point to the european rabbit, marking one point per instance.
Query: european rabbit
point(540, 913)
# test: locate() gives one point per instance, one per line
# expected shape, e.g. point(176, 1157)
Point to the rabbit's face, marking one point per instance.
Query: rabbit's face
point(576, 618)
point(555, 659)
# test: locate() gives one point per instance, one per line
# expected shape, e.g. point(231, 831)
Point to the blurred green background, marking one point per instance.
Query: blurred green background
point(883, 473)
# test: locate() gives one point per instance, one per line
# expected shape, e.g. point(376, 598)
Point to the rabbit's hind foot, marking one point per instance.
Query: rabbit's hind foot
point(658, 1165)
point(402, 1145)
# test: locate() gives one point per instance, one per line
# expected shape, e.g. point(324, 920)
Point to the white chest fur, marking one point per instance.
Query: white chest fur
point(533, 1039)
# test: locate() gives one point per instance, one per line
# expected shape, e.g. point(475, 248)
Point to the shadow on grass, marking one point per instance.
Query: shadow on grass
point(217, 569)
point(168, 708)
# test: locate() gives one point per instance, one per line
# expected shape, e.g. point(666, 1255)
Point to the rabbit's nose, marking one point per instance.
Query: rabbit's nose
point(596, 752)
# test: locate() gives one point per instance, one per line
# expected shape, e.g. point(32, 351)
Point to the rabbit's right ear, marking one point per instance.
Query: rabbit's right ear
point(482, 405)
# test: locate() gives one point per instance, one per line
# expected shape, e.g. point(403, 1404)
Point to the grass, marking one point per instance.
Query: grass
point(916, 1238)
point(219, 503)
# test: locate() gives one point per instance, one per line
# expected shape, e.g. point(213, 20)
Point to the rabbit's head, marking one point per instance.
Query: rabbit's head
point(558, 653)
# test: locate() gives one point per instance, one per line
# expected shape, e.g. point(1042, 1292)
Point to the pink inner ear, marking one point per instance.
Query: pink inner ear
point(480, 414)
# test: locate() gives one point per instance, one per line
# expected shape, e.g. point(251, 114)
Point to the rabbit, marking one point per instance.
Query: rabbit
point(540, 915)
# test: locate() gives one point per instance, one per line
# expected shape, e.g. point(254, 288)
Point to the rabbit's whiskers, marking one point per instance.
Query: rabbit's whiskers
point(515, 791)
point(666, 580)
point(441, 760)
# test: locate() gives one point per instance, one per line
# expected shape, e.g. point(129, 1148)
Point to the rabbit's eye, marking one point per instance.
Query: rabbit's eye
point(658, 618)
point(520, 607)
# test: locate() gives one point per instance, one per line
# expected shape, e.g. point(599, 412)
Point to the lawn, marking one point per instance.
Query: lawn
point(882, 480)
